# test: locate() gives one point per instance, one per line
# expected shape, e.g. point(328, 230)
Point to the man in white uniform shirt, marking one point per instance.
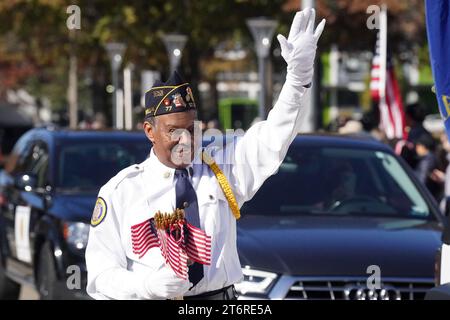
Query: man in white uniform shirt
point(118, 267)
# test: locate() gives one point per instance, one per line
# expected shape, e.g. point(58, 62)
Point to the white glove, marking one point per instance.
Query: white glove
point(299, 50)
point(164, 284)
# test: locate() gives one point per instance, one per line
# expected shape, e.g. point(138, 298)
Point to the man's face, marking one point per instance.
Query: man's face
point(173, 139)
point(421, 150)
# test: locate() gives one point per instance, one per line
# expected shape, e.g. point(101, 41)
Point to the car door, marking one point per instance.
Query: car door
point(26, 207)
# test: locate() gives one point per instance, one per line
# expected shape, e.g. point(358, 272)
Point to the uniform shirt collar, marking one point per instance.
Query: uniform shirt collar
point(158, 166)
point(164, 170)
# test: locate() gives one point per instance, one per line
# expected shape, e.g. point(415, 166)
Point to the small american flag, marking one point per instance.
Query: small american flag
point(190, 243)
point(144, 237)
point(198, 246)
point(173, 253)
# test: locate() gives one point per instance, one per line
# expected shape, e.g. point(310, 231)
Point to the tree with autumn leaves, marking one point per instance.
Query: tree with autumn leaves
point(35, 43)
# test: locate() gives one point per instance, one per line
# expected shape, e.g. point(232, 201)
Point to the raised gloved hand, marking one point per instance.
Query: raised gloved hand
point(164, 284)
point(299, 50)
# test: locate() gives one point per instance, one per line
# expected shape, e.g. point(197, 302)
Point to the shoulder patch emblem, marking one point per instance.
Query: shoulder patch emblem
point(99, 213)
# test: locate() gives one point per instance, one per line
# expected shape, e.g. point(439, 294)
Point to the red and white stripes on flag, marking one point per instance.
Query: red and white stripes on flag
point(173, 253)
point(392, 112)
point(143, 237)
point(198, 246)
point(375, 72)
point(392, 117)
point(191, 243)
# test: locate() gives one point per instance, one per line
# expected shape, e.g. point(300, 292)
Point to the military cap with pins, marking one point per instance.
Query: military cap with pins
point(175, 95)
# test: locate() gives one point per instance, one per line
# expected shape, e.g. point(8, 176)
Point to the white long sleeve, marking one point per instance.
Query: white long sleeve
point(108, 277)
point(259, 153)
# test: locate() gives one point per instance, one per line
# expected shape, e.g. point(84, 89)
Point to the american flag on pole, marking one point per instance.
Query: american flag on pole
point(384, 87)
point(177, 245)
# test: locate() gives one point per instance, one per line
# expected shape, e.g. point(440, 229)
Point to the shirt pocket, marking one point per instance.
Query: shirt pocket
point(213, 208)
point(213, 205)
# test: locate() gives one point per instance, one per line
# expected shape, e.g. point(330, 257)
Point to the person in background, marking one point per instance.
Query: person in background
point(337, 123)
point(370, 122)
point(414, 117)
point(441, 175)
point(99, 122)
point(351, 127)
point(343, 184)
point(427, 163)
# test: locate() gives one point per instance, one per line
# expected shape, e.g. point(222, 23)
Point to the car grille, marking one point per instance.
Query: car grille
point(390, 289)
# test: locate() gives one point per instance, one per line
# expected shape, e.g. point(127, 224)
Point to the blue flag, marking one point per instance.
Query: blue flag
point(438, 31)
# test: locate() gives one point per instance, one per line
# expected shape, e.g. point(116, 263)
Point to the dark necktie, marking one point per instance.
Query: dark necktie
point(186, 199)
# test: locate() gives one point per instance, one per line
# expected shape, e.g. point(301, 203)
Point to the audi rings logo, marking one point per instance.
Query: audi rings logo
point(360, 292)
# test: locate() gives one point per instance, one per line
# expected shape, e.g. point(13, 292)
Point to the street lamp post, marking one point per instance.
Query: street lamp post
point(128, 96)
point(312, 108)
point(115, 52)
point(262, 30)
point(174, 44)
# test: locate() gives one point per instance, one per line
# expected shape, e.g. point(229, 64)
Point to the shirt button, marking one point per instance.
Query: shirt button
point(166, 174)
point(185, 204)
point(211, 197)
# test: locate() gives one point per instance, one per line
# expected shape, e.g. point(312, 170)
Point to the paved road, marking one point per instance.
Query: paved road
point(28, 293)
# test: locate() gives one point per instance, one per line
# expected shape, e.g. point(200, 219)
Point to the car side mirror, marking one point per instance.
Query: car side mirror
point(26, 181)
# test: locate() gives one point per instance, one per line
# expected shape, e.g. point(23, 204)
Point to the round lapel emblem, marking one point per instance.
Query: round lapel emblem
point(99, 212)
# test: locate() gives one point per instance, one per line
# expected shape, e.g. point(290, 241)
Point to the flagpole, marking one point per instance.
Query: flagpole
point(383, 53)
point(383, 60)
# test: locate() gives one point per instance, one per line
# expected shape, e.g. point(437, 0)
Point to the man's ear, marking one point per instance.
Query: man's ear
point(149, 131)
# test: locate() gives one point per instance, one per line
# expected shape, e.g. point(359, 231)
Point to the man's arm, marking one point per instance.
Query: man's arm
point(108, 277)
point(425, 167)
point(259, 153)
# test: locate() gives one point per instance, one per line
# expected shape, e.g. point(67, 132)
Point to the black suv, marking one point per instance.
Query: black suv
point(47, 193)
point(344, 218)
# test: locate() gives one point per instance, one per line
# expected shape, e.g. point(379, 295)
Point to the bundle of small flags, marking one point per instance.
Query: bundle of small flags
point(180, 242)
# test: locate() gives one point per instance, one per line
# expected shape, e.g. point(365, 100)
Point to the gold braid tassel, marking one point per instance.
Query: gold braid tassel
point(224, 184)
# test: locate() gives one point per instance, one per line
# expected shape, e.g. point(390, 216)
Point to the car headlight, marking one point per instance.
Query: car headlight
point(76, 234)
point(255, 281)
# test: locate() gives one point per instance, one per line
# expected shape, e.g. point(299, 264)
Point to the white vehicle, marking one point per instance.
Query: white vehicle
point(444, 274)
point(442, 290)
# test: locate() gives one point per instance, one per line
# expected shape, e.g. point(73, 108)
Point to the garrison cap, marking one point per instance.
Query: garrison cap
point(175, 95)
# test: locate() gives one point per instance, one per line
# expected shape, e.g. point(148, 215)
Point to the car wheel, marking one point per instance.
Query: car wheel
point(9, 290)
point(46, 274)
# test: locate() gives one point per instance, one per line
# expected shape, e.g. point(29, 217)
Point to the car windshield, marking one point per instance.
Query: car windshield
point(339, 181)
point(88, 166)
